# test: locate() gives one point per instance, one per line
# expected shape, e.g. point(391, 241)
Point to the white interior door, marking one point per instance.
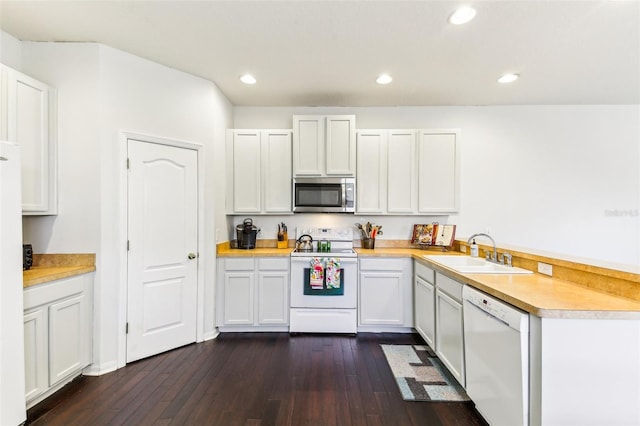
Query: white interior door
point(163, 237)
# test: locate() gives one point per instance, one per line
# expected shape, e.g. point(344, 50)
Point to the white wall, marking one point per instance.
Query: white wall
point(103, 91)
point(558, 179)
point(10, 51)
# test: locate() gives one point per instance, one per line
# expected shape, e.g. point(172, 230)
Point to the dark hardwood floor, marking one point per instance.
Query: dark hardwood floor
point(254, 379)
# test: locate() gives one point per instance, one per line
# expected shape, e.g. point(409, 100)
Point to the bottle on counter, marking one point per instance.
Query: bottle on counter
point(474, 248)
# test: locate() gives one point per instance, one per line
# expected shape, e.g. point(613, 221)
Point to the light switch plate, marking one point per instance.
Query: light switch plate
point(545, 268)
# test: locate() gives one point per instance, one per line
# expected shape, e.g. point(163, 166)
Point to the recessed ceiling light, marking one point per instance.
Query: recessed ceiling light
point(248, 79)
point(384, 79)
point(508, 78)
point(462, 15)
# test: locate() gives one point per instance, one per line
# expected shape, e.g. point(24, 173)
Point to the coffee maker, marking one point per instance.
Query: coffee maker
point(246, 234)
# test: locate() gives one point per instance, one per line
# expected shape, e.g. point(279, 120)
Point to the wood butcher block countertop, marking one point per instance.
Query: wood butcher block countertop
point(535, 293)
point(51, 267)
point(256, 252)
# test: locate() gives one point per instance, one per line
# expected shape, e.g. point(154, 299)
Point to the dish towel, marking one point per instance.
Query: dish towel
point(333, 273)
point(316, 274)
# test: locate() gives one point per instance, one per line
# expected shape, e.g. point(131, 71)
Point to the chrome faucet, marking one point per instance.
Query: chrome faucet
point(494, 255)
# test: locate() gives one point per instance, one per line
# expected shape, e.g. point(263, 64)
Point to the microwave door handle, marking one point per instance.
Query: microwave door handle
point(344, 196)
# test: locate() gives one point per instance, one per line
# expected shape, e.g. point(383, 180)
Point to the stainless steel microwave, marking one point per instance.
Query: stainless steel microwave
point(324, 195)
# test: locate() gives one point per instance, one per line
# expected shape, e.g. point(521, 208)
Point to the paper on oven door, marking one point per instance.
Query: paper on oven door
point(333, 273)
point(316, 274)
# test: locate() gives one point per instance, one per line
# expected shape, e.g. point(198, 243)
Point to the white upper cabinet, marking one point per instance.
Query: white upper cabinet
point(438, 171)
point(371, 181)
point(401, 178)
point(341, 145)
point(308, 145)
point(324, 145)
point(276, 161)
point(244, 148)
point(259, 179)
point(28, 118)
point(407, 172)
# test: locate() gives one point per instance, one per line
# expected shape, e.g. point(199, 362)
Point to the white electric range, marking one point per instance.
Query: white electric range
point(324, 284)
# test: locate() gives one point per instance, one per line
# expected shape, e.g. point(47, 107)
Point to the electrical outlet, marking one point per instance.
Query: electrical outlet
point(545, 268)
point(463, 249)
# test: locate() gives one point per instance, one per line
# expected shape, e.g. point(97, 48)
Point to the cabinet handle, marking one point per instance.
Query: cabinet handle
point(4, 159)
point(191, 256)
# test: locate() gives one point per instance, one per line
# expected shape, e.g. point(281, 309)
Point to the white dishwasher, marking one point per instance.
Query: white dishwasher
point(496, 337)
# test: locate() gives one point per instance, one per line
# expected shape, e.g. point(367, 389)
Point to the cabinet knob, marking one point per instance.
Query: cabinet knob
point(192, 256)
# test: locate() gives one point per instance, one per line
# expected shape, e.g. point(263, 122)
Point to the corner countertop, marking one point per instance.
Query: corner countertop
point(51, 267)
point(543, 296)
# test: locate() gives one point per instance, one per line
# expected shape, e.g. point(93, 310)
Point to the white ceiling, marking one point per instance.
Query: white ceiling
point(329, 53)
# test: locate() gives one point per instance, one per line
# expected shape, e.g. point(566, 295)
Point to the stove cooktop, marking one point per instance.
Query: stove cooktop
point(341, 242)
point(332, 253)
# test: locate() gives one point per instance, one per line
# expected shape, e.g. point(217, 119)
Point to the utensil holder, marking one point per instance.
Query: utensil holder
point(369, 243)
point(283, 244)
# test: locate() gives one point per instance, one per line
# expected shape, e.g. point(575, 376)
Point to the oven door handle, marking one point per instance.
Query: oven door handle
point(308, 259)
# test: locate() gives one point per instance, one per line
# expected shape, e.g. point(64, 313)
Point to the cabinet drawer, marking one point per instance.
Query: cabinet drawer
point(449, 286)
point(382, 264)
point(238, 264)
point(54, 290)
point(424, 272)
point(273, 263)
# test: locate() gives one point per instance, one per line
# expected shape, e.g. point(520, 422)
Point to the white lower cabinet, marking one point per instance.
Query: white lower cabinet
point(449, 325)
point(424, 302)
point(35, 353)
point(254, 294)
point(385, 296)
point(57, 332)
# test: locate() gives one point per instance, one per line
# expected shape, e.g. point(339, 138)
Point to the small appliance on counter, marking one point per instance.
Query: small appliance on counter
point(27, 257)
point(304, 243)
point(246, 234)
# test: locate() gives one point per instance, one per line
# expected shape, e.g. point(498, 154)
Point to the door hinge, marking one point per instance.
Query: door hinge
point(127, 163)
point(127, 245)
point(126, 331)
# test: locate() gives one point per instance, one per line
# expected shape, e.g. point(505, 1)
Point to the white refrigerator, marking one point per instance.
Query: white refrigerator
point(12, 374)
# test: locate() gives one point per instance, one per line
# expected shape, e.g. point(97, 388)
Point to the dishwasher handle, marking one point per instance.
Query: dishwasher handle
point(501, 311)
point(471, 303)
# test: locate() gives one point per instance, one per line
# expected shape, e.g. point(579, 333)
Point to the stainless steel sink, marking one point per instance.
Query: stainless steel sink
point(474, 265)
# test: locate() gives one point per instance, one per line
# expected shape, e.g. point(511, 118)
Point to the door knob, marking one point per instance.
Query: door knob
point(192, 256)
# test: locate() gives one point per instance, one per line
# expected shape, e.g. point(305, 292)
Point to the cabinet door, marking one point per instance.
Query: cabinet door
point(245, 149)
point(438, 171)
point(276, 161)
point(4, 99)
point(35, 353)
point(449, 337)
point(371, 173)
point(238, 298)
point(424, 308)
point(273, 297)
point(401, 174)
point(67, 337)
point(381, 298)
point(308, 145)
point(28, 117)
point(341, 145)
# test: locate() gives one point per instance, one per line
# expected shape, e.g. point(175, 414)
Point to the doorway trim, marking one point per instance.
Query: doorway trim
point(123, 235)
